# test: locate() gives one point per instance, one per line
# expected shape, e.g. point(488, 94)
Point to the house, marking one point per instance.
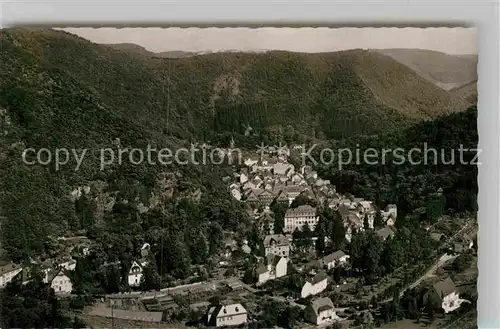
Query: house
point(266, 197)
point(135, 274)
point(226, 315)
point(391, 212)
point(315, 285)
point(297, 178)
point(298, 217)
point(145, 249)
point(252, 198)
point(243, 176)
point(445, 294)
point(246, 248)
point(68, 265)
point(8, 271)
point(320, 311)
point(386, 232)
point(366, 208)
point(249, 162)
point(351, 219)
point(334, 259)
point(271, 268)
point(59, 281)
point(277, 244)
point(281, 198)
point(293, 191)
point(462, 245)
point(438, 237)
point(235, 193)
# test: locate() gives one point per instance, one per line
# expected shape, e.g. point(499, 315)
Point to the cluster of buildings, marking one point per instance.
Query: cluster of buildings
point(319, 311)
point(55, 273)
point(271, 178)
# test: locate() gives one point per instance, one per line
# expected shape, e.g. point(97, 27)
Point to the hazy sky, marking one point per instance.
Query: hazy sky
point(448, 40)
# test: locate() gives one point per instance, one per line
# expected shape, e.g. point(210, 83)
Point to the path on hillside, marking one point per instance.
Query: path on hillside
point(440, 262)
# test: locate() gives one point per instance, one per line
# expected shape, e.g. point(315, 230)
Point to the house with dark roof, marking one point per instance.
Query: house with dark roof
point(226, 315)
point(8, 271)
point(320, 311)
point(337, 258)
point(265, 197)
point(270, 268)
point(277, 244)
point(60, 281)
point(135, 274)
point(444, 294)
point(315, 285)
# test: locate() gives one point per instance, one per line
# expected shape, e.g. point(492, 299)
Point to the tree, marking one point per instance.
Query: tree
point(337, 231)
point(33, 305)
point(289, 317)
point(279, 210)
point(393, 255)
point(198, 245)
point(320, 245)
point(366, 224)
point(378, 221)
point(298, 239)
point(150, 279)
point(462, 262)
point(307, 235)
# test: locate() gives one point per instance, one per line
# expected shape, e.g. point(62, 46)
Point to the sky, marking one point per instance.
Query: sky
point(447, 40)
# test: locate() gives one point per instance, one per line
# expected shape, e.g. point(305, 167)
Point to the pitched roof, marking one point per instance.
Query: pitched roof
point(7, 267)
point(56, 272)
point(300, 210)
point(225, 310)
point(343, 210)
point(333, 256)
point(318, 277)
point(272, 259)
point(319, 305)
point(279, 239)
point(445, 287)
point(261, 269)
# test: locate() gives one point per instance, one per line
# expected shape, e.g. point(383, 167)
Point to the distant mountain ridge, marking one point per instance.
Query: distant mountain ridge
point(327, 95)
point(444, 70)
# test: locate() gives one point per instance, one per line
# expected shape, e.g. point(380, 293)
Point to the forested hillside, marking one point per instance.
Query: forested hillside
point(414, 184)
point(58, 90)
point(331, 94)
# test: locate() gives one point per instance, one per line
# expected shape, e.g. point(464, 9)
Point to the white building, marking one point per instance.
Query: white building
point(271, 268)
point(390, 213)
point(135, 274)
point(236, 193)
point(68, 265)
point(446, 294)
point(337, 258)
point(60, 282)
point(226, 315)
point(320, 311)
point(298, 217)
point(315, 285)
point(7, 272)
point(277, 244)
